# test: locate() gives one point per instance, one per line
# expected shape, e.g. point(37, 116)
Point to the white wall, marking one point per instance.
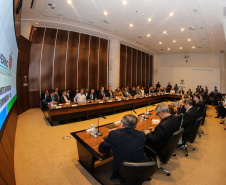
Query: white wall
point(198, 69)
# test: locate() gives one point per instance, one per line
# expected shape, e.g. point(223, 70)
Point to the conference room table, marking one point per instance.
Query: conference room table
point(87, 144)
point(95, 107)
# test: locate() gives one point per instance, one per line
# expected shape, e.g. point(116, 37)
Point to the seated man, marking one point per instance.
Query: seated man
point(198, 105)
point(189, 118)
point(109, 93)
point(133, 91)
point(86, 92)
point(126, 93)
point(215, 90)
point(64, 98)
point(52, 97)
point(127, 144)
point(169, 124)
point(176, 88)
point(118, 93)
point(69, 94)
point(80, 96)
point(101, 94)
point(181, 91)
point(172, 91)
point(92, 95)
point(138, 90)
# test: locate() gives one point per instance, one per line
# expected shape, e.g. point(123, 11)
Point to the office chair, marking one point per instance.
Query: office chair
point(167, 151)
point(191, 136)
point(203, 120)
point(137, 173)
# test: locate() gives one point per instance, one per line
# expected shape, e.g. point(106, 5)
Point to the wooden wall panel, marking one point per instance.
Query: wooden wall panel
point(147, 71)
point(134, 68)
point(129, 67)
point(151, 70)
point(123, 57)
point(72, 57)
point(60, 59)
point(93, 62)
point(47, 59)
point(143, 69)
point(83, 61)
point(35, 56)
point(2, 182)
point(139, 63)
point(103, 59)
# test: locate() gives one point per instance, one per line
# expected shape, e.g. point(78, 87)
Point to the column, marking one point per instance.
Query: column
point(155, 70)
point(222, 73)
point(114, 63)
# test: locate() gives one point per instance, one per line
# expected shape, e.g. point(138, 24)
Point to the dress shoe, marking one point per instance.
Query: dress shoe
point(217, 117)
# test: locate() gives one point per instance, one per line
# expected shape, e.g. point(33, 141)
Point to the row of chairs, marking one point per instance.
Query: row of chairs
point(137, 173)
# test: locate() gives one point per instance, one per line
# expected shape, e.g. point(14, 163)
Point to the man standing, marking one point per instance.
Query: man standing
point(169, 124)
point(198, 105)
point(127, 144)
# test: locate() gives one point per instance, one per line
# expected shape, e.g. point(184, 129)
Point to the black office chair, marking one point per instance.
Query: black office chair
point(137, 173)
point(203, 120)
point(191, 136)
point(167, 151)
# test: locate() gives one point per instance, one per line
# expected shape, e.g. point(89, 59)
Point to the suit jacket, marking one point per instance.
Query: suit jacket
point(100, 96)
point(109, 94)
point(181, 110)
point(181, 92)
point(49, 99)
point(199, 108)
point(189, 120)
point(126, 93)
point(88, 97)
point(163, 131)
point(132, 92)
point(62, 100)
point(127, 145)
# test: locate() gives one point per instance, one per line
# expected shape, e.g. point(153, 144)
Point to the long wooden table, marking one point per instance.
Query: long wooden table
point(88, 145)
point(95, 107)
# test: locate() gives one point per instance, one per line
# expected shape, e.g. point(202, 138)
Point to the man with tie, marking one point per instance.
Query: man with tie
point(181, 91)
point(101, 94)
point(80, 96)
point(57, 93)
point(64, 98)
point(86, 92)
point(126, 93)
point(92, 95)
point(51, 98)
point(110, 93)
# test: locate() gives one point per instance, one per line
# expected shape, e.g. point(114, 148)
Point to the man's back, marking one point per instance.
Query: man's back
point(163, 132)
point(189, 120)
point(127, 145)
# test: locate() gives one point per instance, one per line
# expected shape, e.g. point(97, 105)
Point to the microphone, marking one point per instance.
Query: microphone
point(134, 111)
point(98, 132)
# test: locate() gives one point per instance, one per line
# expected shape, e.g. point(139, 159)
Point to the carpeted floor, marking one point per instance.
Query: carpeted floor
point(42, 157)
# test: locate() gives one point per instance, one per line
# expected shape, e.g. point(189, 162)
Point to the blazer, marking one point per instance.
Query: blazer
point(127, 146)
point(62, 100)
point(199, 108)
point(181, 92)
point(100, 96)
point(132, 92)
point(189, 120)
point(88, 97)
point(109, 93)
point(163, 131)
point(49, 99)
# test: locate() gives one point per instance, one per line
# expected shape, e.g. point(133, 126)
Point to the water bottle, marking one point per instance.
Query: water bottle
point(92, 130)
point(141, 117)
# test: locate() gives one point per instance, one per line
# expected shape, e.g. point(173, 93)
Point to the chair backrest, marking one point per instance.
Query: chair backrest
point(167, 151)
point(204, 115)
point(194, 130)
point(137, 173)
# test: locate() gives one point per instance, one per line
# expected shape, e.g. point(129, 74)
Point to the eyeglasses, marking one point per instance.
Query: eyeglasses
point(157, 114)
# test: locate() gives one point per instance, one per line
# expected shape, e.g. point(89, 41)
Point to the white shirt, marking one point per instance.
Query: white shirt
point(80, 97)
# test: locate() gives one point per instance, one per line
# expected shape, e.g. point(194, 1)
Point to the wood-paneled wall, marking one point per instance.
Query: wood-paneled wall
point(23, 60)
point(135, 67)
point(67, 60)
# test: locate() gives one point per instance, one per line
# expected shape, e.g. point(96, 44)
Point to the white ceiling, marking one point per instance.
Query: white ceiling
point(87, 16)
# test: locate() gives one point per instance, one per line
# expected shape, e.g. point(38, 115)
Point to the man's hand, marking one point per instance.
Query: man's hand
point(146, 132)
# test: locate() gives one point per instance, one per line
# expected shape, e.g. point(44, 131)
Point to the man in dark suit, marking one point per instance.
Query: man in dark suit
point(198, 105)
point(110, 93)
point(158, 85)
point(189, 118)
point(127, 144)
point(133, 91)
point(169, 124)
point(169, 87)
point(102, 94)
point(64, 98)
point(181, 91)
point(92, 95)
point(51, 98)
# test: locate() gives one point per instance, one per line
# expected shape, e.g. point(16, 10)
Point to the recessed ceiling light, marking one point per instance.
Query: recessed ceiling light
point(149, 19)
point(124, 2)
point(189, 40)
point(105, 13)
point(148, 35)
point(193, 47)
point(182, 29)
point(131, 25)
point(181, 48)
point(168, 48)
point(171, 14)
point(160, 42)
point(174, 41)
point(69, 1)
point(212, 33)
point(36, 23)
point(164, 32)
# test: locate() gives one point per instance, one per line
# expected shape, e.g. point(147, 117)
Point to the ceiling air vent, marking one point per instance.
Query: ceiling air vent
point(51, 6)
point(221, 51)
point(195, 10)
point(140, 37)
point(59, 15)
point(191, 28)
point(199, 47)
point(107, 21)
